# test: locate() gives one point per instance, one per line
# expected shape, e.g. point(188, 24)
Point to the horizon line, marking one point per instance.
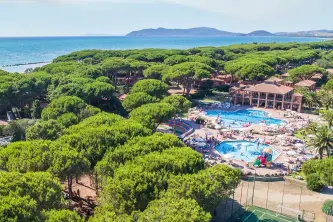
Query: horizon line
point(125, 35)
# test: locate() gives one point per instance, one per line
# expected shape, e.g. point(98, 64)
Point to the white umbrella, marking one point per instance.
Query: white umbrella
point(288, 110)
point(243, 129)
point(291, 153)
point(225, 130)
point(280, 137)
point(201, 144)
point(262, 125)
point(273, 125)
point(199, 139)
point(283, 124)
point(218, 127)
point(293, 112)
point(228, 156)
point(299, 145)
point(311, 136)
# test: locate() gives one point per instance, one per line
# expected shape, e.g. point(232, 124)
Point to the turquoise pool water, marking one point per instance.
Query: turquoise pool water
point(244, 150)
point(237, 119)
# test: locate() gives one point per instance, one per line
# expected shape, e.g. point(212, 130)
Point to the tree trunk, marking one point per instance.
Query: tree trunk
point(115, 81)
point(70, 183)
point(128, 81)
point(328, 150)
point(18, 113)
point(174, 125)
point(188, 90)
point(96, 182)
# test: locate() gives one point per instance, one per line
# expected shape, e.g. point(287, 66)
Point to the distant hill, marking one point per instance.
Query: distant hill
point(312, 33)
point(260, 33)
point(192, 32)
point(212, 32)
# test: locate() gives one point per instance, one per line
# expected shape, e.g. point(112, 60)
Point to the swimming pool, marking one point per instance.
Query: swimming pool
point(244, 150)
point(238, 118)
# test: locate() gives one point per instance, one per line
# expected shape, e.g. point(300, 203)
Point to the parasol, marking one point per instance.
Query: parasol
point(218, 127)
point(228, 156)
point(299, 145)
point(201, 144)
point(291, 153)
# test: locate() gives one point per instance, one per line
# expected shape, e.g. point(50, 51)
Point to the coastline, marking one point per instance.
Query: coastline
point(21, 53)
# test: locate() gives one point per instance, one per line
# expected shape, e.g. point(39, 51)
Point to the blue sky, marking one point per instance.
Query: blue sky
point(118, 17)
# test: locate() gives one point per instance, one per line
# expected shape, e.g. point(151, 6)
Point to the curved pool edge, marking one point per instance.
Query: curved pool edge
point(279, 153)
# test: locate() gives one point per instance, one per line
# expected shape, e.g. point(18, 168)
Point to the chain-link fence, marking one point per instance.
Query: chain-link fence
point(275, 194)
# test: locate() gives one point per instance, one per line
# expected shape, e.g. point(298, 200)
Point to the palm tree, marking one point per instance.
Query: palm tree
point(309, 97)
point(323, 141)
point(325, 99)
point(328, 116)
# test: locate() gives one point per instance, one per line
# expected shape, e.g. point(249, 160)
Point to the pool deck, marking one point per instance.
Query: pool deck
point(285, 161)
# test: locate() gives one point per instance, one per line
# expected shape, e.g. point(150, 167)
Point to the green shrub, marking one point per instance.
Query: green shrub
point(223, 88)
point(323, 168)
point(201, 94)
point(2, 130)
point(313, 182)
point(327, 207)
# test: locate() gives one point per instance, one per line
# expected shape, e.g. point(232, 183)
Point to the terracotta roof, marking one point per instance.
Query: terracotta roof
point(317, 76)
point(305, 83)
point(275, 79)
point(285, 75)
point(329, 70)
point(212, 79)
point(297, 94)
point(288, 81)
point(223, 76)
point(235, 88)
point(270, 88)
point(122, 97)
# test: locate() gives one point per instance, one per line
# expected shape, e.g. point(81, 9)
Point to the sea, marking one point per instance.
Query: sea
point(17, 54)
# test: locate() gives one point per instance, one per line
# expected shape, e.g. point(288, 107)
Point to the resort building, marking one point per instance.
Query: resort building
point(311, 85)
point(316, 77)
point(269, 94)
point(217, 80)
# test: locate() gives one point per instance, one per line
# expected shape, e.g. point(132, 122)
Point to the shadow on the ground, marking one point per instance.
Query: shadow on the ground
point(327, 191)
point(228, 210)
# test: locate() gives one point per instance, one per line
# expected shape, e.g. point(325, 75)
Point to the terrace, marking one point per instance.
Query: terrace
point(269, 94)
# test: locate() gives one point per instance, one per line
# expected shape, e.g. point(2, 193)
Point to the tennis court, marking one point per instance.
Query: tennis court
point(259, 214)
